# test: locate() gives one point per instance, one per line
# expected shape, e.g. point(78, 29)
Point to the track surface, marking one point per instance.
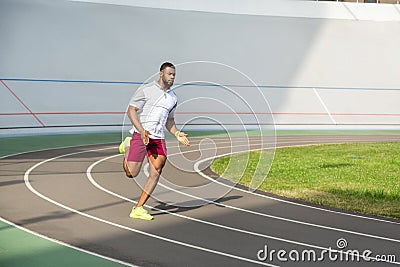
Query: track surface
point(80, 196)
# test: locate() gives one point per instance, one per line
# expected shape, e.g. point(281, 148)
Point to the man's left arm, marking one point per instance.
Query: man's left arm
point(181, 136)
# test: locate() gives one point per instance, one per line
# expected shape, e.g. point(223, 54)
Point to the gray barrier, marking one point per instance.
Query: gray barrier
point(73, 66)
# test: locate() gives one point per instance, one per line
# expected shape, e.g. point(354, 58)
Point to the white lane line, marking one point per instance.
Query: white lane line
point(266, 215)
point(59, 157)
point(33, 190)
point(348, 139)
point(65, 244)
point(307, 143)
point(282, 218)
point(93, 181)
point(262, 214)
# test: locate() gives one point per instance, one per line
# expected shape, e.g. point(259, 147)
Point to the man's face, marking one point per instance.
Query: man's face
point(168, 76)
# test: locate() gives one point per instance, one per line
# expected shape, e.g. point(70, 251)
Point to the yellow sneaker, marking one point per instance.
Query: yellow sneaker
point(124, 144)
point(140, 213)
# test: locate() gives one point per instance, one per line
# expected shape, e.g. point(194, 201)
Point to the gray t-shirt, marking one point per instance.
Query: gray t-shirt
point(155, 106)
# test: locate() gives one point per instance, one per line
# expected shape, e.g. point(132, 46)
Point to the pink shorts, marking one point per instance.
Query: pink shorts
point(137, 150)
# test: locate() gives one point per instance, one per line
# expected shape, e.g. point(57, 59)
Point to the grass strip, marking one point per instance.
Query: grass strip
point(362, 177)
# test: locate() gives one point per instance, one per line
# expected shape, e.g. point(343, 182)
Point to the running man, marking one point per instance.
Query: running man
point(151, 108)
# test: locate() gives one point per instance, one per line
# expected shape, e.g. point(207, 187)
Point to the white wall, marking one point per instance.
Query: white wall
point(318, 65)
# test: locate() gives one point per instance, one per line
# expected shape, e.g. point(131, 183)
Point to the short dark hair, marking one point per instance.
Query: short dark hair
point(166, 65)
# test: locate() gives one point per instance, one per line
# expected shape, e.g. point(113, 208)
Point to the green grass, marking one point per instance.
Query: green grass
point(362, 177)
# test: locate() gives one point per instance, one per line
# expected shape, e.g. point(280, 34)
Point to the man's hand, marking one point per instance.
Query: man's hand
point(145, 137)
point(181, 136)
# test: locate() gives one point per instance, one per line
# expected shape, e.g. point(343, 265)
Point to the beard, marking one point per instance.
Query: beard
point(168, 82)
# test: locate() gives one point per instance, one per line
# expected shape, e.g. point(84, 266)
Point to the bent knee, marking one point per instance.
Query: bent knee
point(134, 174)
point(134, 168)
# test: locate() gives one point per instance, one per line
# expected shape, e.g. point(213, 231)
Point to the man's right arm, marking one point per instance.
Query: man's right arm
point(134, 118)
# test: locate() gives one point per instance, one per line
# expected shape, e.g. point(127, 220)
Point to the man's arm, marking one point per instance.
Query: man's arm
point(181, 136)
point(133, 116)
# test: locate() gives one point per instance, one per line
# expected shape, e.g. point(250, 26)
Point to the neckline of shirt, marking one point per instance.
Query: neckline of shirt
point(165, 91)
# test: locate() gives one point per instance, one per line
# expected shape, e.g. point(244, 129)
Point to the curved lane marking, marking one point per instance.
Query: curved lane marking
point(93, 181)
point(28, 185)
point(196, 167)
point(33, 190)
point(65, 244)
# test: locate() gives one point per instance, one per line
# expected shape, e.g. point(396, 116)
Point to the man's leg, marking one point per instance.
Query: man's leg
point(133, 167)
point(157, 156)
point(134, 154)
point(157, 162)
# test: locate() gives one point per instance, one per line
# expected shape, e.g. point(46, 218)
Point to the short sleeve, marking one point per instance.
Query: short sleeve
point(138, 98)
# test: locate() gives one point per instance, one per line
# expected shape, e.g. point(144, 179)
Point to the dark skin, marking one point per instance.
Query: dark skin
point(157, 162)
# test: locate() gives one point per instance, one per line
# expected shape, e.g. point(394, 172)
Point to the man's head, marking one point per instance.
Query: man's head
point(167, 74)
